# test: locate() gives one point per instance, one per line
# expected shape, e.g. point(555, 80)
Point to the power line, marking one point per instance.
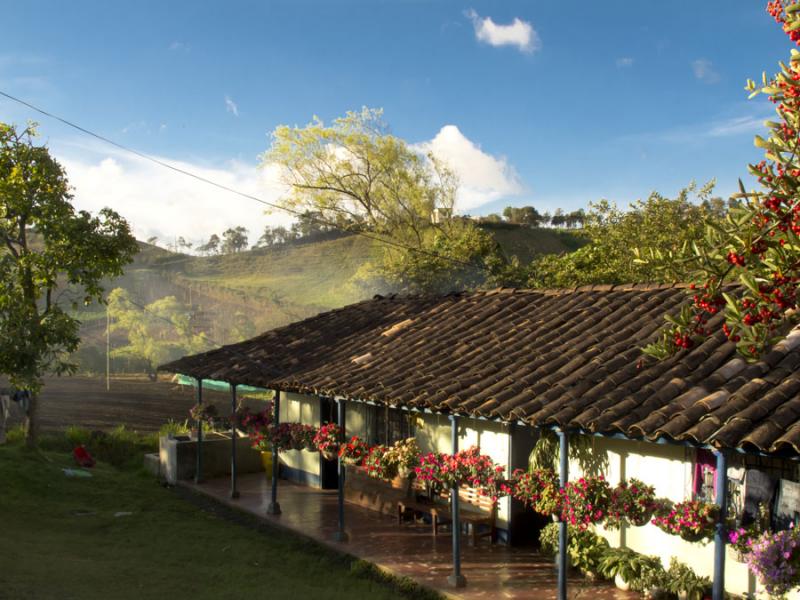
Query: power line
point(231, 190)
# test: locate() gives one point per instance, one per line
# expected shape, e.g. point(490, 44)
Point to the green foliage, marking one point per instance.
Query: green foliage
point(545, 453)
point(585, 549)
point(158, 332)
point(658, 226)
point(682, 579)
point(639, 571)
point(234, 240)
point(757, 244)
point(120, 447)
point(354, 175)
point(45, 244)
point(174, 428)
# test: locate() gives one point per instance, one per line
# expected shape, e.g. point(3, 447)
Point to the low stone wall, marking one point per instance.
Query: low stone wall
point(178, 457)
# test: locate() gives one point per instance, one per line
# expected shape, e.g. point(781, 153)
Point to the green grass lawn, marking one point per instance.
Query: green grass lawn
point(60, 538)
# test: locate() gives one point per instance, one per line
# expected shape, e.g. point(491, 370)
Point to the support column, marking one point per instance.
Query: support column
point(341, 534)
point(273, 508)
point(563, 478)
point(234, 427)
point(198, 470)
point(721, 493)
point(456, 580)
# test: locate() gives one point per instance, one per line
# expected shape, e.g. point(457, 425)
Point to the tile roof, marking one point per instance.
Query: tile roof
point(570, 358)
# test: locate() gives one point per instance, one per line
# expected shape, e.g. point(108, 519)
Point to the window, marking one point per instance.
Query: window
point(386, 425)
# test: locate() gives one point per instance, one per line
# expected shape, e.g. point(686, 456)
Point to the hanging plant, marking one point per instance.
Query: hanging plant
point(354, 451)
point(537, 489)
point(327, 439)
point(585, 502)
point(631, 502)
point(692, 520)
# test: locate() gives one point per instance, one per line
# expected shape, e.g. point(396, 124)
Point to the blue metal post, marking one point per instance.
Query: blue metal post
point(456, 580)
point(341, 534)
point(721, 492)
point(198, 471)
point(274, 508)
point(234, 491)
point(563, 455)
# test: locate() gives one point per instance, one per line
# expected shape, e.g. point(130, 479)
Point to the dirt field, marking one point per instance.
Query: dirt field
point(135, 402)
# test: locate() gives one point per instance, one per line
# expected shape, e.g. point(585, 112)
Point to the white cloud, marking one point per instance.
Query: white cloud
point(625, 61)
point(703, 70)
point(162, 203)
point(179, 46)
point(483, 178)
point(231, 106)
point(519, 33)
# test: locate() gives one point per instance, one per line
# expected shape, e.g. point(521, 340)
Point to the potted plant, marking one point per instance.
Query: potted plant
point(379, 463)
point(685, 583)
point(627, 568)
point(774, 559)
point(405, 455)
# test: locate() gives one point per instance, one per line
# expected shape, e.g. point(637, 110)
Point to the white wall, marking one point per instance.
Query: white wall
point(669, 469)
point(299, 408)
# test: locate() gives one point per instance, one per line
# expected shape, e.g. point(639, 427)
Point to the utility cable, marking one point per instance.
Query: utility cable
point(231, 190)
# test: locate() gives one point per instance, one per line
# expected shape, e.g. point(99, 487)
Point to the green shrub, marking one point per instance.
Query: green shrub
point(682, 578)
point(77, 436)
point(15, 435)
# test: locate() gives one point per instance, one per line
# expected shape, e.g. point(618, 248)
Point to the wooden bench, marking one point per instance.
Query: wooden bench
point(475, 510)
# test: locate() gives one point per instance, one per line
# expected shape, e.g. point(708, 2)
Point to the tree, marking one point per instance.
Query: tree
point(211, 246)
point(152, 240)
point(47, 245)
point(354, 172)
point(523, 215)
point(558, 218)
point(757, 245)
point(183, 245)
point(663, 225)
point(158, 332)
point(234, 240)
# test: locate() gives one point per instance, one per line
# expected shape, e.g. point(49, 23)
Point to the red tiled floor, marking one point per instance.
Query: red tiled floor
point(409, 550)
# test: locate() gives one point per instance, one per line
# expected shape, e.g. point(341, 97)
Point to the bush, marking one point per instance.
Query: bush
point(77, 436)
point(585, 548)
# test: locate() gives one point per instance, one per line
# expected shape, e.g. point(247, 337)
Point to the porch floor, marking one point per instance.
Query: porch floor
point(410, 550)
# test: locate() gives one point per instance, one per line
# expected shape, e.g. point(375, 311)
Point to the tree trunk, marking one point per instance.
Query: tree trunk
point(32, 422)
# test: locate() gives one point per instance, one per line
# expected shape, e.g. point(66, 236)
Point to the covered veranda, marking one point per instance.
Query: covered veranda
point(493, 571)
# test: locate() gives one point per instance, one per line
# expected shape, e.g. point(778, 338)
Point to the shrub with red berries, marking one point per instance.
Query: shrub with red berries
point(758, 245)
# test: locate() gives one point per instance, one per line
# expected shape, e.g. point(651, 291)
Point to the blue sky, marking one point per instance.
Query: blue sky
point(540, 102)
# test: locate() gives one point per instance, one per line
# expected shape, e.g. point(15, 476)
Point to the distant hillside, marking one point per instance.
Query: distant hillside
point(275, 286)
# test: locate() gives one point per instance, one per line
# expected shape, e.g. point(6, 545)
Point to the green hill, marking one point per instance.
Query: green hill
point(275, 286)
